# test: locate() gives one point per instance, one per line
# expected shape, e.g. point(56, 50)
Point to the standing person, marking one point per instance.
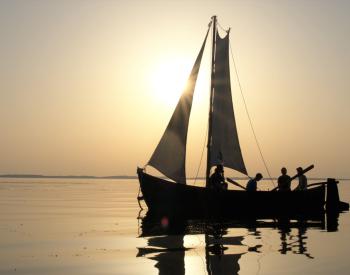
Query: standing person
point(302, 186)
point(252, 183)
point(284, 181)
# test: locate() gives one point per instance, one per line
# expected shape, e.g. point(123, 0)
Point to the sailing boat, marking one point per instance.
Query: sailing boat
point(174, 198)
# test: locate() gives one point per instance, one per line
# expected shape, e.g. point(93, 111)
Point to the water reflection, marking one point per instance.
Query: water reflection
point(294, 243)
point(221, 244)
point(220, 255)
point(167, 251)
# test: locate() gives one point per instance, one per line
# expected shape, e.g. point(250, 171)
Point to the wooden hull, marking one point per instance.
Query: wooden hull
point(165, 198)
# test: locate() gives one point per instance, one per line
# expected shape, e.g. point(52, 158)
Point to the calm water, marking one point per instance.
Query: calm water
point(91, 227)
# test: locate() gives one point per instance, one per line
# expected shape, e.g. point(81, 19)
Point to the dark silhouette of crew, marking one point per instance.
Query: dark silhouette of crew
point(252, 183)
point(217, 179)
point(302, 186)
point(284, 181)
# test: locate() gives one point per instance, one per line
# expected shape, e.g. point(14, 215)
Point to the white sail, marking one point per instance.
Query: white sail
point(224, 145)
point(170, 154)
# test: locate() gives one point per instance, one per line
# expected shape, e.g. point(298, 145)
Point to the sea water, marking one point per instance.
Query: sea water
point(83, 226)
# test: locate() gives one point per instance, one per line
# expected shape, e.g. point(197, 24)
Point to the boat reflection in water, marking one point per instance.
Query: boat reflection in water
point(216, 247)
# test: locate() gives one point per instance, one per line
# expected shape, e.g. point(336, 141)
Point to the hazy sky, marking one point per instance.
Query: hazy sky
point(83, 84)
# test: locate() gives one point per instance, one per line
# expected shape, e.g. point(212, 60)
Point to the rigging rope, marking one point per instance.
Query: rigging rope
point(200, 161)
point(249, 118)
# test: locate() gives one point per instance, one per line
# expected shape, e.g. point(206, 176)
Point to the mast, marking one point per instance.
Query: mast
point(211, 101)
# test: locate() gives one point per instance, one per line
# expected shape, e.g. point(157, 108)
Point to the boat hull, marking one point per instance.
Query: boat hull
point(165, 198)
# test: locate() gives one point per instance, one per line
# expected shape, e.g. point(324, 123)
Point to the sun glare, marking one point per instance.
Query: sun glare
point(168, 80)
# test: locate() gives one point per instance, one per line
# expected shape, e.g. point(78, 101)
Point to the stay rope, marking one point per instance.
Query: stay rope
point(249, 118)
point(200, 161)
point(247, 112)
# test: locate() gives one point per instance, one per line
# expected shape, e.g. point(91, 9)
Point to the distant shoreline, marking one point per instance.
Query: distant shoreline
point(20, 176)
point(29, 176)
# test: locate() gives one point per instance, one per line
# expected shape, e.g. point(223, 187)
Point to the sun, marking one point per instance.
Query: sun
point(168, 79)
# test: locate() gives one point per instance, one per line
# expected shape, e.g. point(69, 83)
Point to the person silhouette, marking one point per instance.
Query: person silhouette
point(252, 183)
point(302, 186)
point(284, 180)
point(217, 179)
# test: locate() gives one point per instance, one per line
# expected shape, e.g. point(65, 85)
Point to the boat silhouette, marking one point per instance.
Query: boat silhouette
point(172, 197)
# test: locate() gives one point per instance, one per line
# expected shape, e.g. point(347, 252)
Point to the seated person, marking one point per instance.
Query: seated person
point(252, 183)
point(217, 179)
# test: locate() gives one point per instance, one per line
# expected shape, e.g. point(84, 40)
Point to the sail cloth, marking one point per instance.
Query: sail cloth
point(224, 148)
point(170, 155)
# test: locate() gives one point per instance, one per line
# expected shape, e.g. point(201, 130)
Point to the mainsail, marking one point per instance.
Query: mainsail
point(224, 144)
point(170, 155)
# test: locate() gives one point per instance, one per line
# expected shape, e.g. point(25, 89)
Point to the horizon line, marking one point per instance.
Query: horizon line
point(122, 177)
